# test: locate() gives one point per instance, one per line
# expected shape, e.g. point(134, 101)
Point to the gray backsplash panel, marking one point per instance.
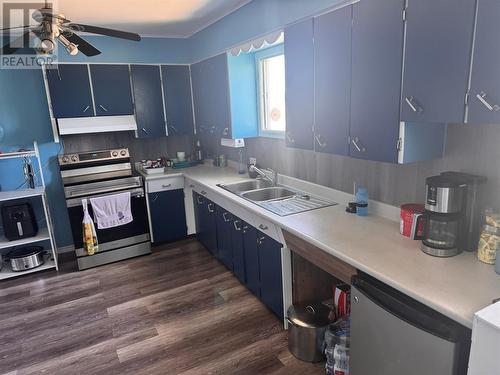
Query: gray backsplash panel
point(470, 148)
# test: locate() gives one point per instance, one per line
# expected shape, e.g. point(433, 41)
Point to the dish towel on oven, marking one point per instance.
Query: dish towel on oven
point(112, 210)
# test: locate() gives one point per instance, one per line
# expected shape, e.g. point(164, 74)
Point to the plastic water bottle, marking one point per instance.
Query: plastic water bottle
point(362, 201)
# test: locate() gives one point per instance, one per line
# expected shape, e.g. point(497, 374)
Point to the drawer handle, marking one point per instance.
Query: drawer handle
point(103, 108)
point(410, 100)
point(482, 98)
point(203, 192)
point(166, 186)
point(317, 137)
point(210, 207)
point(236, 224)
point(263, 227)
point(260, 240)
point(357, 143)
point(145, 131)
point(86, 109)
point(224, 216)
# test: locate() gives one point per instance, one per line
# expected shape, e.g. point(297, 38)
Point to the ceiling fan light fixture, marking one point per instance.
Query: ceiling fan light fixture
point(71, 48)
point(47, 46)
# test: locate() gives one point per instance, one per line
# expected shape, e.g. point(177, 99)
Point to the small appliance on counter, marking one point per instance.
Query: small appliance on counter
point(26, 258)
point(452, 215)
point(410, 225)
point(19, 221)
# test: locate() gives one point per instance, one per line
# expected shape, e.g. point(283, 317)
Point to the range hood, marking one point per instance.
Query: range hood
point(99, 124)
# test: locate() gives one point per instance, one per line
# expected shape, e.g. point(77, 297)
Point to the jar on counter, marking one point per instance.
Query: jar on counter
point(489, 240)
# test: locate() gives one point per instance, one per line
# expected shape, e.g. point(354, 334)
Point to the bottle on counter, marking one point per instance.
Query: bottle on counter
point(362, 201)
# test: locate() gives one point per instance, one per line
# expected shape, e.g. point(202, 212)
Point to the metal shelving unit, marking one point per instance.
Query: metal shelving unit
point(45, 233)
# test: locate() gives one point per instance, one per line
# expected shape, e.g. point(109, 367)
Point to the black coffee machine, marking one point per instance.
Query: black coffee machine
point(452, 214)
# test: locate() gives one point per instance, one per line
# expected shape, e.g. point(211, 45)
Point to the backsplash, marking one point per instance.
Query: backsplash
point(139, 148)
point(469, 148)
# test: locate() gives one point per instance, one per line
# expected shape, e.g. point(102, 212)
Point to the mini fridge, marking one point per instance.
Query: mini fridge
point(392, 334)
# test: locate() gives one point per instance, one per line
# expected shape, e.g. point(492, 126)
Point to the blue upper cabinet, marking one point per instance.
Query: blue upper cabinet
point(149, 110)
point(178, 99)
point(299, 66)
point(112, 91)
point(377, 57)
point(332, 81)
point(211, 96)
point(437, 59)
point(70, 92)
point(484, 94)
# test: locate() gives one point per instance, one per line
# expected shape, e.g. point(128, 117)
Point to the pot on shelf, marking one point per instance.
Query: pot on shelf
point(25, 258)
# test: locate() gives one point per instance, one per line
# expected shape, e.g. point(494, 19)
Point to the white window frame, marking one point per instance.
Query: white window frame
point(259, 56)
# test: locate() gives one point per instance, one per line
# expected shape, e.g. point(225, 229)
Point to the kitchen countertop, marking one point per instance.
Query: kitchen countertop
point(457, 287)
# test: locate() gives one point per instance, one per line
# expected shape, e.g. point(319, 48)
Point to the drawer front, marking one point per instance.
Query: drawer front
point(165, 184)
point(267, 227)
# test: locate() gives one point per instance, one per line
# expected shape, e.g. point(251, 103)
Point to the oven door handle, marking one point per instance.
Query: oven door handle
point(74, 202)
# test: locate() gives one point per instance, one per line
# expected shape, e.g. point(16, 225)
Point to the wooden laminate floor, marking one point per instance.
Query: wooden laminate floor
point(177, 311)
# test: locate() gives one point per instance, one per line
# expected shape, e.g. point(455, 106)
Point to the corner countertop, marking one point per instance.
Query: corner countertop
point(457, 287)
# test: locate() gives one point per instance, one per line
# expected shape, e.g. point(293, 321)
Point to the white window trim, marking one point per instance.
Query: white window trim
point(259, 56)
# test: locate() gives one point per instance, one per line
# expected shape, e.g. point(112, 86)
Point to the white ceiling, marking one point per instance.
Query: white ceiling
point(158, 18)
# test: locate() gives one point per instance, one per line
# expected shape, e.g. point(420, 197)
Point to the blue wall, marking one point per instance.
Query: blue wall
point(253, 20)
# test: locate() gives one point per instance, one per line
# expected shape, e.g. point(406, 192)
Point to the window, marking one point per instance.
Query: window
point(271, 72)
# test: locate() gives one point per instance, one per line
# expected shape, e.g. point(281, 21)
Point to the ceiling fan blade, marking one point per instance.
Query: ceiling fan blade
point(104, 31)
point(83, 46)
point(16, 27)
point(23, 40)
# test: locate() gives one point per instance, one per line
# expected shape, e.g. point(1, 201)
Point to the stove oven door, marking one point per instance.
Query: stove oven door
point(109, 239)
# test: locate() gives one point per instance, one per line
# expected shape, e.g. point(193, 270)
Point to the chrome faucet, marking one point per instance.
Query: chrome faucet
point(263, 175)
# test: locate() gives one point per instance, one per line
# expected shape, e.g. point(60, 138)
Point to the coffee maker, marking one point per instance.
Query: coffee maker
point(452, 214)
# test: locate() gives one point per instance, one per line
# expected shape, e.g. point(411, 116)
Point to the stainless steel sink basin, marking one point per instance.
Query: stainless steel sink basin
point(267, 194)
point(239, 187)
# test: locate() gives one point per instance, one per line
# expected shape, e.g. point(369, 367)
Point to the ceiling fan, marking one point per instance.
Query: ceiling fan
point(56, 27)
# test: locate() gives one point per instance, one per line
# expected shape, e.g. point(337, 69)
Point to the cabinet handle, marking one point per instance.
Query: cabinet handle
point(173, 128)
point(357, 143)
point(145, 131)
point(236, 224)
point(226, 131)
point(86, 109)
point(225, 217)
point(263, 227)
point(103, 108)
point(203, 192)
point(260, 240)
point(245, 227)
point(289, 138)
point(212, 129)
point(210, 207)
point(200, 200)
point(482, 98)
point(318, 139)
point(166, 186)
point(410, 100)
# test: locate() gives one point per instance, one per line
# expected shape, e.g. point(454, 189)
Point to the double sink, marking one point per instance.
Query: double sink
point(276, 198)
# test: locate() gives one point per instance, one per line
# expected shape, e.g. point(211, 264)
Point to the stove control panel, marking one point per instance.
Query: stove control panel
point(92, 156)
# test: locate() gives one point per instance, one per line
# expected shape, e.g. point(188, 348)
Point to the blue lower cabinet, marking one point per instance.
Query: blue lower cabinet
point(270, 273)
point(251, 259)
point(206, 226)
point(224, 228)
point(168, 215)
point(238, 250)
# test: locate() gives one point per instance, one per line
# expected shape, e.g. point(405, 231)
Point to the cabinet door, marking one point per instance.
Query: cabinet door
point(299, 68)
point(200, 95)
point(219, 112)
point(238, 249)
point(484, 100)
point(252, 271)
point(112, 91)
point(377, 55)
point(168, 215)
point(437, 59)
point(270, 273)
point(332, 81)
point(178, 100)
point(206, 226)
point(224, 228)
point(70, 94)
point(149, 112)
